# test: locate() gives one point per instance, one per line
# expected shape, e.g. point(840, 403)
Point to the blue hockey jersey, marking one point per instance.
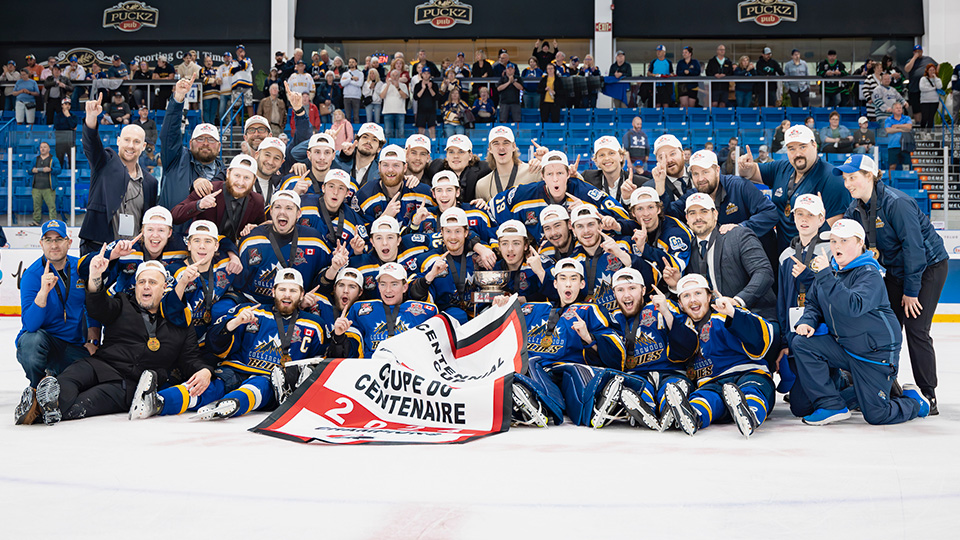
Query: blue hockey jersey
point(373, 200)
point(352, 222)
point(563, 344)
point(730, 345)
point(656, 347)
point(260, 263)
point(478, 220)
point(195, 308)
point(368, 320)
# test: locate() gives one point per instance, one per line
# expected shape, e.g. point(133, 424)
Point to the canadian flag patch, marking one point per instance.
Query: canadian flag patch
point(309, 251)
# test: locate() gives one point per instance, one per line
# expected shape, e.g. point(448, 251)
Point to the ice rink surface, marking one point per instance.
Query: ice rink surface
point(108, 477)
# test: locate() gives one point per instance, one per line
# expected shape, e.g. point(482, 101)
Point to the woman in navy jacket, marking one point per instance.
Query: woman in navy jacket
point(905, 243)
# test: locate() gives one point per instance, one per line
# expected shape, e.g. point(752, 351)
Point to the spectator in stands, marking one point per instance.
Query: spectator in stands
point(810, 122)
point(394, 94)
point(117, 111)
point(65, 129)
point(58, 88)
point(744, 90)
point(955, 92)
point(543, 53)
point(481, 68)
point(509, 89)
point(589, 69)
point(718, 67)
point(763, 154)
point(272, 78)
point(352, 83)
point(274, 110)
point(864, 139)
point(141, 73)
point(619, 69)
point(241, 71)
point(896, 125)
point(370, 95)
point(449, 82)
point(189, 68)
point(836, 139)
point(635, 140)
point(165, 72)
point(503, 60)
point(26, 92)
point(559, 61)
point(551, 99)
point(148, 125)
point(531, 97)
point(211, 92)
point(661, 67)
point(118, 70)
point(300, 81)
point(833, 93)
point(341, 128)
point(33, 67)
point(727, 152)
point(313, 116)
point(423, 61)
point(46, 168)
point(76, 73)
point(425, 93)
point(120, 191)
point(453, 110)
point(916, 69)
point(150, 160)
point(889, 66)
point(868, 87)
point(483, 107)
point(799, 90)
point(777, 145)
point(930, 88)
point(768, 67)
point(688, 66)
point(10, 75)
point(884, 96)
point(328, 94)
point(226, 81)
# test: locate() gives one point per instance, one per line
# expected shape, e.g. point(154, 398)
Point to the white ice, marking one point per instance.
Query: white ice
point(108, 477)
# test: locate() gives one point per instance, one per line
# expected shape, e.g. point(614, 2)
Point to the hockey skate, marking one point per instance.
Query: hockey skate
point(639, 411)
point(146, 401)
point(48, 396)
point(225, 408)
point(608, 406)
point(527, 409)
point(742, 414)
point(27, 410)
point(279, 382)
point(685, 414)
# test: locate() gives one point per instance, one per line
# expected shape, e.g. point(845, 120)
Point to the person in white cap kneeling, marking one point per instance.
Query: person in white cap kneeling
point(847, 323)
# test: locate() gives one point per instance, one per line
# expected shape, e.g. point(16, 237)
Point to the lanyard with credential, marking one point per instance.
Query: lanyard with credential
point(632, 334)
point(333, 234)
point(64, 277)
point(805, 258)
point(513, 178)
point(391, 316)
point(276, 247)
point(592, 262)
point(286, 336)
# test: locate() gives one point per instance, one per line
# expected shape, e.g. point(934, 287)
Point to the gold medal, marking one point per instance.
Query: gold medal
point(786, 210)
point(284, 359)
point(547, 340)
point(207, 317)
point(153, 344)
point(876, 253)
point(801, 299)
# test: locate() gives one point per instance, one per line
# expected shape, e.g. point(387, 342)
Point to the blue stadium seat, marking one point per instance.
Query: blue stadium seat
point(650, 115)
point(724, 115)
point(554, 130)
point(749, 115)
point(772, 113)
point(674, 115)
point(529, 115)
point(580, 130)
point(821, 114)
point(797, 115)
point(699, 115)
point(604, 116)
point(583, 116)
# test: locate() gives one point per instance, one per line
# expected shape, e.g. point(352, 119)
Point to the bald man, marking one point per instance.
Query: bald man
point(120, 190)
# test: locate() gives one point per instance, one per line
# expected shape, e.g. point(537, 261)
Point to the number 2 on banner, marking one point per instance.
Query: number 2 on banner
point(334, 414)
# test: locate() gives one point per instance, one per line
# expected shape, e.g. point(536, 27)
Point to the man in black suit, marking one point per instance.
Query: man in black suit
point(733, 262)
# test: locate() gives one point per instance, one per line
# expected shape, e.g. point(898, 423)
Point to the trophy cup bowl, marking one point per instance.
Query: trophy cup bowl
point(491, 284)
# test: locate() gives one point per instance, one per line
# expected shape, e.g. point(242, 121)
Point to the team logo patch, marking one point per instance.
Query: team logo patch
point(778, 192)
point(522, 282)
point(411, 265)
point(570, 314)
point(81, 283)
point(192, 286)
point(879, 222)
point(613, 263)
point(427, 227)
point(368, 282)
point(305, 221)
point(705, 333)
point(299, 258)
point(595, 194)
point(677, 244)
point(647, 318)
point(510, 195)
point(527, 309)
point(222, 280)
point(882, 394)
point(416, 309)
point(731, 208)
point(254, 258)
point(131, 268)
point(308, 332)
point(296, 334)
point(531, 218)
point(365, 308)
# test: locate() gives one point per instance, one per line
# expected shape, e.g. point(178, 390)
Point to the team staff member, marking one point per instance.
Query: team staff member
point(671, 178)
point(506, 169)
point(803, 172)
point(51, 307)
point(610, 174)
point(156, 242)
point(911, 251)
point(847, 323)
point(138, 338)
point(232, 205)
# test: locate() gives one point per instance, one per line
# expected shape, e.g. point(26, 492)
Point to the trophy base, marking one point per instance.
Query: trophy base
point(485, 297)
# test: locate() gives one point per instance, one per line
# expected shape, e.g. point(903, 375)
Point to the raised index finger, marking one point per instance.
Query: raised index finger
point(215, 193)
point(137, 238)
point(656, 290)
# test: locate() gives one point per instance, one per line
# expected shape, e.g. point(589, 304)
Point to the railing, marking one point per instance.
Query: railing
point(228, 118)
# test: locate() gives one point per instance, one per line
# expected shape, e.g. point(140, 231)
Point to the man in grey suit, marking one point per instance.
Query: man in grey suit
point(733, 262)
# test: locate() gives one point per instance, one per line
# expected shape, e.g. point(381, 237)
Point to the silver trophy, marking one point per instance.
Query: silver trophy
point(491, 284)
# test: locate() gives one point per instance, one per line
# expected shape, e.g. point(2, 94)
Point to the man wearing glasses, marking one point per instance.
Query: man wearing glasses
point(52, 309)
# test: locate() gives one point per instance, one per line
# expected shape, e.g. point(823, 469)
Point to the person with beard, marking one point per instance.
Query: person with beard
point(446, 272)
point(243, 381)
point(565, 340)
point(671, 178)
point(418, 156)
point(527, 268)
point(360, 329)
point(321, 151)
point(445, 190)
point(328, 213)
point(280, 243)
point(232, 205)
point(848, 324)
point(609, 175)
point(561, 185)
point(803, 172)
point(464, 163)
point(387, 246)
point(357, 158)
point(119, 189)
point(661, 240)
point(186, 169)
point(51, 335)
point(732, 379)
point(390, 195)
point(138, 338)
point(506, 169)
point(271, 157)
point(558, 241)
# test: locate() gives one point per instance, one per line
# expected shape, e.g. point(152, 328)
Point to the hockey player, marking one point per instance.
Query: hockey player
point(659, 239)
point(445, 189)
point(847, 323)
point(525, 265)
point(321, 150)
point(731, 376)
point(329, 214)
point(154, 243)
point(387, 246)
point(358, 158)
point(283, 243)
point(359, 330)
point(610, 175)
point(391, 196)
point(447, 272)
point(558, 241)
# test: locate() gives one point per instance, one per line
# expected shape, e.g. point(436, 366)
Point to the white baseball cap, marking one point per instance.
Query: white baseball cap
point(553, 212)
point(392, 269)
point(666, 140)
point(608, 142)
point(512, 227)
point(373, 129)
point(288, 275)
point(206, 129)
point(567, 265)
point(690, 282)
point(393, 152)
point(554, 157)
point(286, 194)
point(245, 162)
point(152, 265)
point(418, 141)
point(626, 276)
point(322, 139)
point(337, 175)
point(158, 214)
point(460, 141)
point(863, 120)
point(811, 203)
point(857, 162)
point(703, 159)
point(254, 120)
point(700, 199)
point(445, 178)
point(349, 274)
point(584, 211)
point(845, 228)
point(273, 142)
point(644, 194)
point(385, 224)
point(456, 214)
point(799, 133)
point(504, 132)
point(204, 227)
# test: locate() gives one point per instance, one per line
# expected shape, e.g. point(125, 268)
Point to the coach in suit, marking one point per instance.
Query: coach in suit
point(733, 262)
